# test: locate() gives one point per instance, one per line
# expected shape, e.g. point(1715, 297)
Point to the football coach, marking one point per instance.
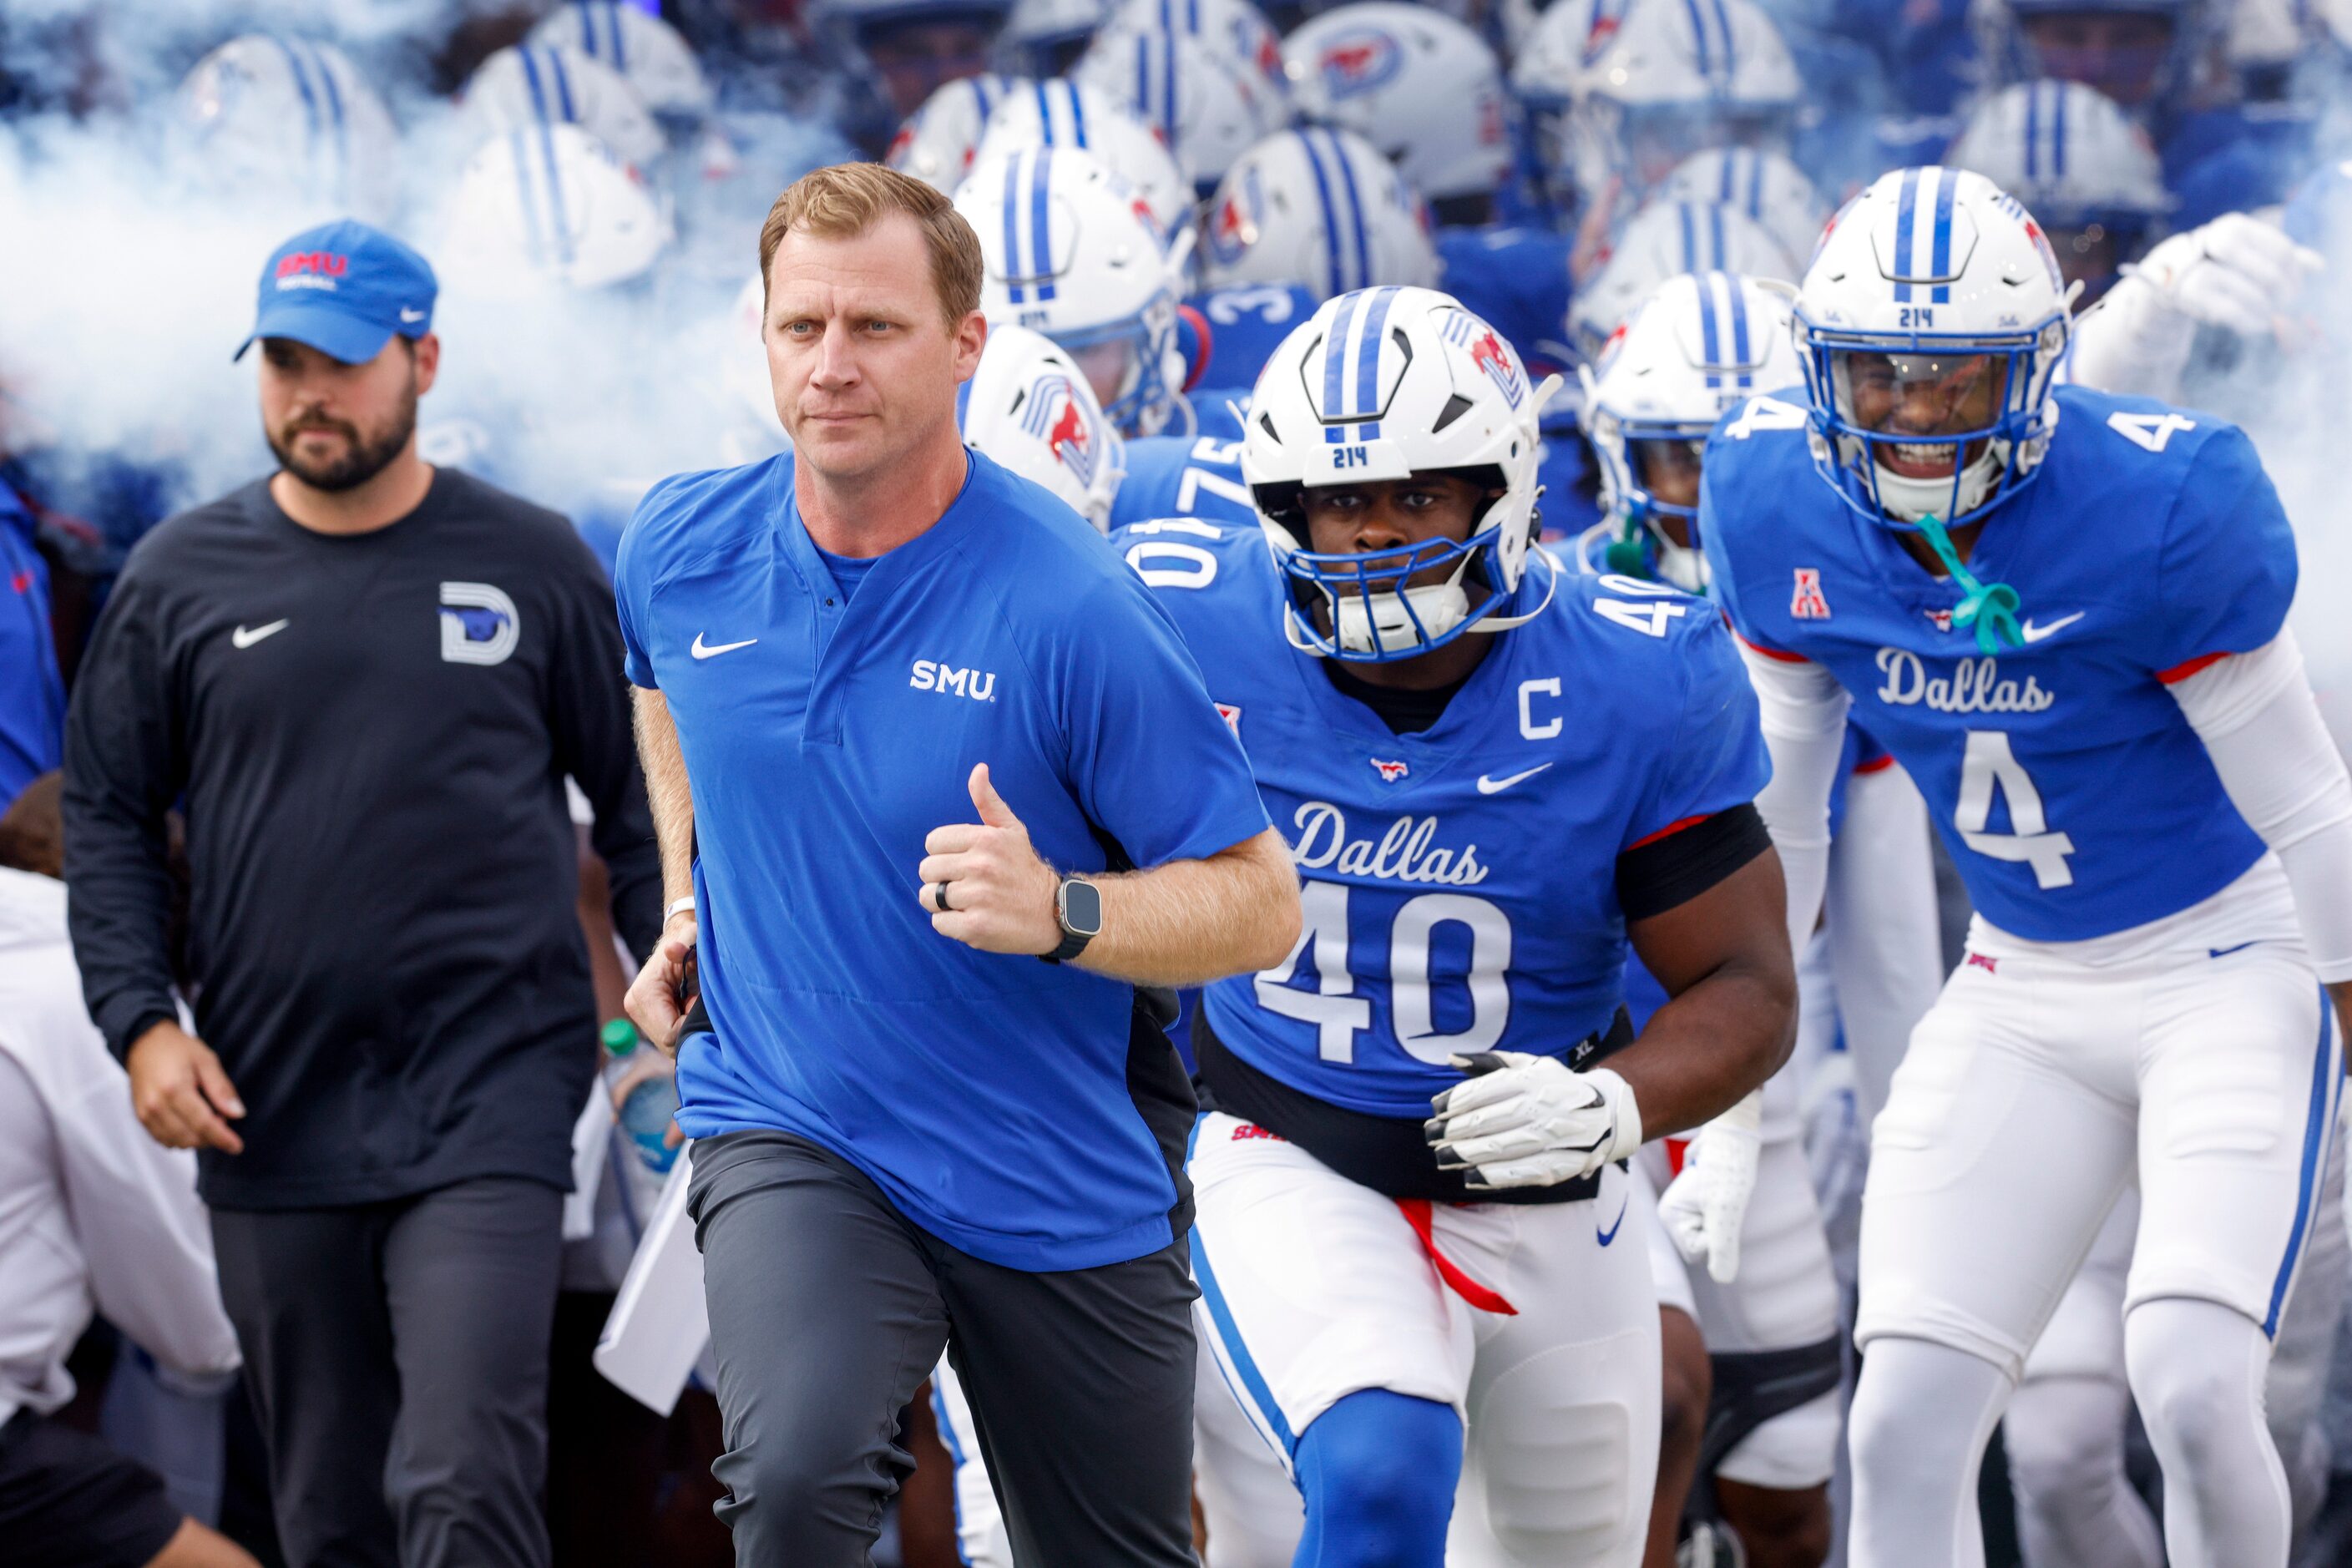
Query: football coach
point(911, 729)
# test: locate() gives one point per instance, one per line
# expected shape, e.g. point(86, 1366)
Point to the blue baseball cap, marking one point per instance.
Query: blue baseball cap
point(344, 289)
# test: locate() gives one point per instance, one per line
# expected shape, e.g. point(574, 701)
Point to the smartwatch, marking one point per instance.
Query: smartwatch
point(1078, 904)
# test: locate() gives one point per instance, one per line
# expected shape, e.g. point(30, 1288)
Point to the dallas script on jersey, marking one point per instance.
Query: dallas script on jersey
point(1974, 686)
point(1403, 854)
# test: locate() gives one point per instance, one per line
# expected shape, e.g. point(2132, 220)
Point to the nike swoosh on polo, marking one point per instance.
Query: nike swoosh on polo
point(246, 637)
point(712, 651)
point(1491, 785)
point(2036, 633)
point(1605, 1237)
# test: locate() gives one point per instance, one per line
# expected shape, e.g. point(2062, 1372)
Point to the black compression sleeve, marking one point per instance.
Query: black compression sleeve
point(1655, 877)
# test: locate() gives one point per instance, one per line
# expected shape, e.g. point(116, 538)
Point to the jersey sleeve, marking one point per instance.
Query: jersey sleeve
point(632, 582)
point(2226, 565)
point(1715, 758)
point(1722, 563)
point(1150, 761)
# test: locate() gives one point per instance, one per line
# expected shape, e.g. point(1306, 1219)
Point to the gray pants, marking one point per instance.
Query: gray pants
point(828, 1309)
point(396, 1357)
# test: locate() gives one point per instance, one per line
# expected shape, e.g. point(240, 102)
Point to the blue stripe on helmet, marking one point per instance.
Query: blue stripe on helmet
point(2058, 131)
point(1368, 355)
point(525, 199)
point(1947, 187)
point(2034, 132)
point(1716, 237)
point(563, 86)
point(1334, 356)
point(1725, 62)
point(294, 65)
point(555, 214)
point(1167, 16)
point(1334, 274)
point(1729, 172)
point(1045, 112)
point(1363, 246)
point(1740, 354)
point(1192, 17)
point(1143, 82)
point(539, 109)
point(1710, 337)
point(1905, 205)
point(981, 90)
point(1754, 185)
point(1077, 112)
point(1690, 236)
point(1011, 205)
point(1698, 38)
point(619, 38)
point(1167, 86)
point(1041, 225)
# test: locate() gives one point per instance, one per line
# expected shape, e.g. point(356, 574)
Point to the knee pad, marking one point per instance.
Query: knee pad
point(2065, 1437)
point(1379, 1471)
point(2197, 1372)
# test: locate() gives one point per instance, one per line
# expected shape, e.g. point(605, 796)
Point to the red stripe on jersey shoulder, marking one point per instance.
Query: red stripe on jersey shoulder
point(1668, 831)
point(1877, 764)
point(2181, 672)
point(1772, 652)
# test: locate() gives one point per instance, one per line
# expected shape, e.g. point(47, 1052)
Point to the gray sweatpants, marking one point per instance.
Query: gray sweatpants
point(828, 1309)
point(396, 1357)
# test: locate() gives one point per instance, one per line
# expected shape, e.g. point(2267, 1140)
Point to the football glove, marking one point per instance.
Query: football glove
point(1706, 1206)
point(1525, 1121)
point(2236, 272)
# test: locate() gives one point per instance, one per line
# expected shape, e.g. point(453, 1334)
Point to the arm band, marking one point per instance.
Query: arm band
point(1659, 873)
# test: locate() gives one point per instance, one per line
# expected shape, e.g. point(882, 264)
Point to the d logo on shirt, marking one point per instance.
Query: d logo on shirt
point(479, 624)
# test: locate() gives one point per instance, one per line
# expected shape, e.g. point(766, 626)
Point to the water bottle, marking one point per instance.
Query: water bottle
point(645, 1115)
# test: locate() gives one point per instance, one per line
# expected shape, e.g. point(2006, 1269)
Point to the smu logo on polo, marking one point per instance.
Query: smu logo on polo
point(980, 685)
point(479, 625)
point(311, 269)
point(1401, 854)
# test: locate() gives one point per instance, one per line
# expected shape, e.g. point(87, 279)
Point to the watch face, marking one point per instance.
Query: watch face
point(1081, 909)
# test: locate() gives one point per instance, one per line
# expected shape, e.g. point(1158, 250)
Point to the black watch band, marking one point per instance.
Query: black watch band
point(1077, 906)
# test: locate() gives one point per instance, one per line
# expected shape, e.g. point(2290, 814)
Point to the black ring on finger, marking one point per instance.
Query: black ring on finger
point(939, 898)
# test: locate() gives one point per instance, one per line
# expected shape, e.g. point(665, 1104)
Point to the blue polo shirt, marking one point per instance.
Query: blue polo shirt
point(826, 735)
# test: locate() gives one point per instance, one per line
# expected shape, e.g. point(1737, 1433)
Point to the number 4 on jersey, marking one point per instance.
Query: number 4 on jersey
point(1990, 764)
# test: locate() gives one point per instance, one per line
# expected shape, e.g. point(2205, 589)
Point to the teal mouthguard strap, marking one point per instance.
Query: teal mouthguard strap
point(1988, 609)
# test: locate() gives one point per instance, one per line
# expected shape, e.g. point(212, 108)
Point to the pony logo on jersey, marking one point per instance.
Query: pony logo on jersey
point(1487, 354)
point(1807, 604)
point(1390, 771)
point(1055, 418)
point(1358, 60)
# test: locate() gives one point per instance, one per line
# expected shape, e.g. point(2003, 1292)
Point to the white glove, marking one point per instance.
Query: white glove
point(2236, 271)
point(1525, 1121)
point(1706, 1206)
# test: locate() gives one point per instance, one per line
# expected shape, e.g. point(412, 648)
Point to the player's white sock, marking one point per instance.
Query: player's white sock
point(2075, 1508)
point(2197, 1370)
point(1921, 1415)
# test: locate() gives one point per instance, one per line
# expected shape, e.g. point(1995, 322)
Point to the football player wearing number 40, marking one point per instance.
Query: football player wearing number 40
point(1494, 774)
point(2062, 612)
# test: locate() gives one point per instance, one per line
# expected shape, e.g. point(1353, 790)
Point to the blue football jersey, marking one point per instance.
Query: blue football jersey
point(1183, 476)
point(1247, 322)
point(2069, 787)
point(1460, 888)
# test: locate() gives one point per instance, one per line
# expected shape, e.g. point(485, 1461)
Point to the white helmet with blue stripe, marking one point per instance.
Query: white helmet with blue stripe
point(1765, 184)
point(1423, 88)
point(1029, 407)
point(550, 202)
point(2131, 73)
point(1932, 276)
point(1321, 207)
point(288, 119)
point(1665, 238)
point(1061, 113)
point(1694, 348)
point(1627, 90)
point(1208, 107)
point(651, 56)
point(1384, 384)
point(1235, 27)
point(937, 144)
point(530, 85)
point(1072, 250)
point(2080, 165)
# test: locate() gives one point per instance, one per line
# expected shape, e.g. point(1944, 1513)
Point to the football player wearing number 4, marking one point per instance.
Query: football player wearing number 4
point(1493, 773)
point(2062, 613)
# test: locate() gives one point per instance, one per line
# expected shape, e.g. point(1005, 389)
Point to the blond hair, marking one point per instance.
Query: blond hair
point(843, 201)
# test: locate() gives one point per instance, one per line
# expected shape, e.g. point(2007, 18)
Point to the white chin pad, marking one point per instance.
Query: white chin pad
point(1440, 608)
point(1912, 500)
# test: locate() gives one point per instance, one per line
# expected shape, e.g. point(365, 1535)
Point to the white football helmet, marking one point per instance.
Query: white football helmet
point(1029, 407)
point(1698, 345)
point(1321, 207)
point(1384, 384)
point(2132, 76)
point(1073, 251)
point(1237, 27)
point(1932, 276)
point(652, 56)
point(530, 85)
point(550, 202)
point(1766, 185)
point(938, 142)
point(2080, 165)
point(1417, 84)
point(1044, 38)
point(1666, 238)
point(1626, 89)
point(288, 119)
point(1073, 114)
point(1208, 107)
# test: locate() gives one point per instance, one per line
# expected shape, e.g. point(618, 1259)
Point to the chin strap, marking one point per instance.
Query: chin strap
point(1988, 609)
point(1551, 587)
